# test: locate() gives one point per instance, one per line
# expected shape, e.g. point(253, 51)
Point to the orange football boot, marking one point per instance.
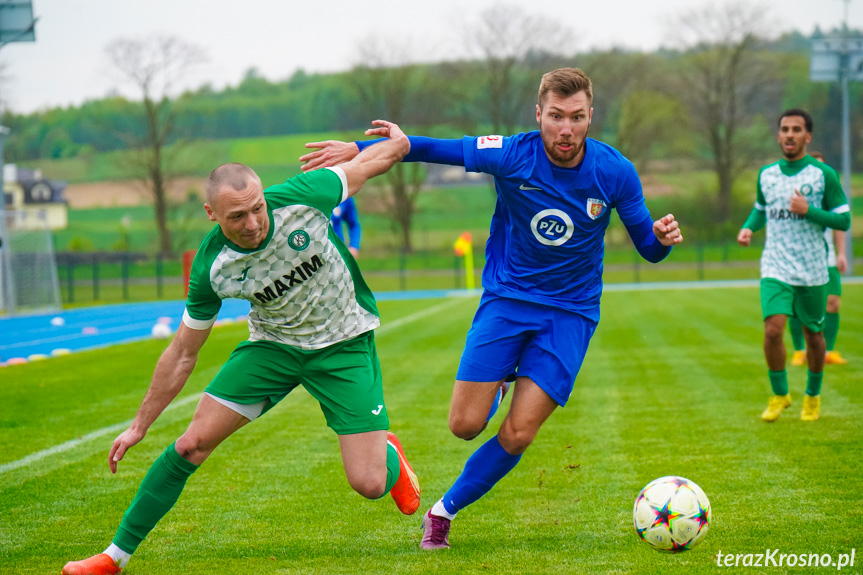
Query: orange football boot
point(100, 564)
point(406, 491)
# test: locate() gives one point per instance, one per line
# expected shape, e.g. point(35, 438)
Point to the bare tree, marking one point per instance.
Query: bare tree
point(724, 74)
point(386, 83)
point(153, 66)
point(648, 119)
point(516, 48)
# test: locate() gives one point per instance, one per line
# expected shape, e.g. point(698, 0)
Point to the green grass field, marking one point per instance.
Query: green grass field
point(674, 383)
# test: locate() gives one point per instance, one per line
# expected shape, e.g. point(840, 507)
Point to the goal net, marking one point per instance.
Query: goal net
point(28, 269)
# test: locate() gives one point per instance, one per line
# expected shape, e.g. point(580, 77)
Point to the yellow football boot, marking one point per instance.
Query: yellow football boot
point(799, 358)
point(774, 409)
point(834, 358)
point(811, 408)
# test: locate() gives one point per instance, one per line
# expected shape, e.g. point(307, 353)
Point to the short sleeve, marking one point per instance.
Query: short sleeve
point(321, 189)
point(202, 303)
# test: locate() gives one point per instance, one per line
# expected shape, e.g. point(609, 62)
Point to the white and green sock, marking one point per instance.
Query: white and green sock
point(118, 555)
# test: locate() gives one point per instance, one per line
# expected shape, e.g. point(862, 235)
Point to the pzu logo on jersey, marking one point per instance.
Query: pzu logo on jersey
point(552, 227)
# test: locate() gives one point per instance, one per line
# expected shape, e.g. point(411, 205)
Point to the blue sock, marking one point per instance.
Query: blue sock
point(483, 469)
point(495, 404)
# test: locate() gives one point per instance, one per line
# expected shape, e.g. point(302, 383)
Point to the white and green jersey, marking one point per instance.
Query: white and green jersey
point(305, 288)
point(795, 251)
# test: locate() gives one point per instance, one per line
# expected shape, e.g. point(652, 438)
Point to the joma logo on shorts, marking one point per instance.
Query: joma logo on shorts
point(297, 276)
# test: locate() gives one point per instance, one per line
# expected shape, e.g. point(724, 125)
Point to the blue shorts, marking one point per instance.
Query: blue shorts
point(523, 338)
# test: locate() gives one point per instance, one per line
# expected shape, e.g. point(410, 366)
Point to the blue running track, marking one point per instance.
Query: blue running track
point(88, 328)
point(93, 327)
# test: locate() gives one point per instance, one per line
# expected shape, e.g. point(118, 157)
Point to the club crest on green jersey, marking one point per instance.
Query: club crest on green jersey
point(806, 190)
point(299, 240)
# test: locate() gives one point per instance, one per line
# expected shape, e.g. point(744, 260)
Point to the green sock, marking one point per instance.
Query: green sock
point(393, 469)
point(813, 384)
point(157, 494)
point(778, 381)
point(796, 334)
point(831, 330)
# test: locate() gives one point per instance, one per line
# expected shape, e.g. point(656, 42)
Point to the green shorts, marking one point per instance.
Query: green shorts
point(834, 284)
point(806, 303)
point(345, 378)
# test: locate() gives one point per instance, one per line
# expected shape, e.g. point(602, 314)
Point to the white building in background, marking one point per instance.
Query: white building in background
point(27, 194)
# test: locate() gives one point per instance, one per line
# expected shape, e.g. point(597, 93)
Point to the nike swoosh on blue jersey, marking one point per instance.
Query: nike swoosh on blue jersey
point(525, 188)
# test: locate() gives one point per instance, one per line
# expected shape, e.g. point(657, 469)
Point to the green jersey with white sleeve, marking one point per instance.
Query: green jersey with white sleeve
point(795, 251)
point(305, 288)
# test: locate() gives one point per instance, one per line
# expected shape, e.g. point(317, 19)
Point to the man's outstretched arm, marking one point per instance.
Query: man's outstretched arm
point(172, 371)
point(431, 150)
point(376, 160)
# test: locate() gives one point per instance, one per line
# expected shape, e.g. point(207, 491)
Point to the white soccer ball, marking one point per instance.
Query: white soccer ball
point(672, 514)
point(161, 331)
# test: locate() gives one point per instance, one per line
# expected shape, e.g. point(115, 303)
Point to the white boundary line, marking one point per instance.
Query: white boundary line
point(34, 457)
point(117, 427)
point(418, 315)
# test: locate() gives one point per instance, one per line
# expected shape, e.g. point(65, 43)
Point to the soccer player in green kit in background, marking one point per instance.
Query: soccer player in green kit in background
point(797, 198)
point(837, 263)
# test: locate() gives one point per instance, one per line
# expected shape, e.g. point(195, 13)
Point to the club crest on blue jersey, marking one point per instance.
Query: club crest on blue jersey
point(552, 227)
point(595, 208)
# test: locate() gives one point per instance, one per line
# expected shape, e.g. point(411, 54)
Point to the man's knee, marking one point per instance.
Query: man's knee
point(192, 447)
point(515, 439)
point(773, 332)
point(833, 304)
point(370, 486)
point(463, 426)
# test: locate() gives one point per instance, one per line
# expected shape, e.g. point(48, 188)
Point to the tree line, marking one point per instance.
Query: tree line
point(712, 100)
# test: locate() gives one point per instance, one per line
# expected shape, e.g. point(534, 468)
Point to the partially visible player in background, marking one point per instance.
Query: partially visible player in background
point(543, 275)
point(837, 263)
point(346, 213)
point(312, 324)
point(797, 198)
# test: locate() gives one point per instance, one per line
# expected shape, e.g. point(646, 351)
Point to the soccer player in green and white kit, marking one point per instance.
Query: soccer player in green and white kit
point(798, 197)
point(837, 263)
point(310, 324)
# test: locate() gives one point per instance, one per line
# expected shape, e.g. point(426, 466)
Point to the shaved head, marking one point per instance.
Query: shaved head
point(235, 199)
point(234, 176)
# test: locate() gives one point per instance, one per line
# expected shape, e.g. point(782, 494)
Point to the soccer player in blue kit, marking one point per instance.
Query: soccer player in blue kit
point(543, 274)
point(346, 213)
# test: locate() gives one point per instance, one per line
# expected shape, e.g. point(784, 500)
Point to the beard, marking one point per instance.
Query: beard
point(793, 152)
point(557, 155)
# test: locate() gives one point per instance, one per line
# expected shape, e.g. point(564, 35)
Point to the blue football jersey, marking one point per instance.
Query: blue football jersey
point(547, 234)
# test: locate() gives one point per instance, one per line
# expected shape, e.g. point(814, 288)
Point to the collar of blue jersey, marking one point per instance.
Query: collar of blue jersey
point(585, 167)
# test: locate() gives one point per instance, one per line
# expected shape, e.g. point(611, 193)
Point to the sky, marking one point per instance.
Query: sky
point(67, 63)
